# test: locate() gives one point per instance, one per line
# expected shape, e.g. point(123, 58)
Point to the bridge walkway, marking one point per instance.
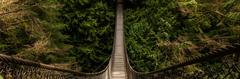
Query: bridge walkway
point(118, 62)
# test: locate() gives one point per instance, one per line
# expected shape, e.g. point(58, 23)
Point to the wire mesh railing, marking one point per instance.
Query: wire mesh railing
point(220, 64)
point(16, 68)
point(223, 63)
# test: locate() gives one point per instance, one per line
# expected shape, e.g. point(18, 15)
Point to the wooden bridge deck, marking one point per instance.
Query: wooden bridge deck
point(118, 62)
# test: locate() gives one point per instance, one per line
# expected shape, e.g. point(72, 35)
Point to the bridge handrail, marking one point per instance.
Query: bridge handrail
point(228, 50)
point(20, 61)
point(215, 54)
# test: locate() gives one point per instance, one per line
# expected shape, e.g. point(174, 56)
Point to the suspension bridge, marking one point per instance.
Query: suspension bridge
point(120, 68)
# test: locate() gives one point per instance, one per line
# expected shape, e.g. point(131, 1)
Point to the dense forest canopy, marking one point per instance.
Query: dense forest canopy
point(78, 34)
point(75, 34)
point(160, 33)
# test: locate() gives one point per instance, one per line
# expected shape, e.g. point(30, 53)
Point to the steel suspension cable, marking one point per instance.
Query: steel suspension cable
point(20, 67)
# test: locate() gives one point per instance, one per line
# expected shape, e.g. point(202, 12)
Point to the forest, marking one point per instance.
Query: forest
point(74, 34)
point(160, 33)
point(78, 34)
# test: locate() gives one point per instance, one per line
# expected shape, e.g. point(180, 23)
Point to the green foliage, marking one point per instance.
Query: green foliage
point(145, 27)
point(60, 31)
point(160, 33)
point(13, 40)
point(89, 25)
point(41, 33)
point(1, 77)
